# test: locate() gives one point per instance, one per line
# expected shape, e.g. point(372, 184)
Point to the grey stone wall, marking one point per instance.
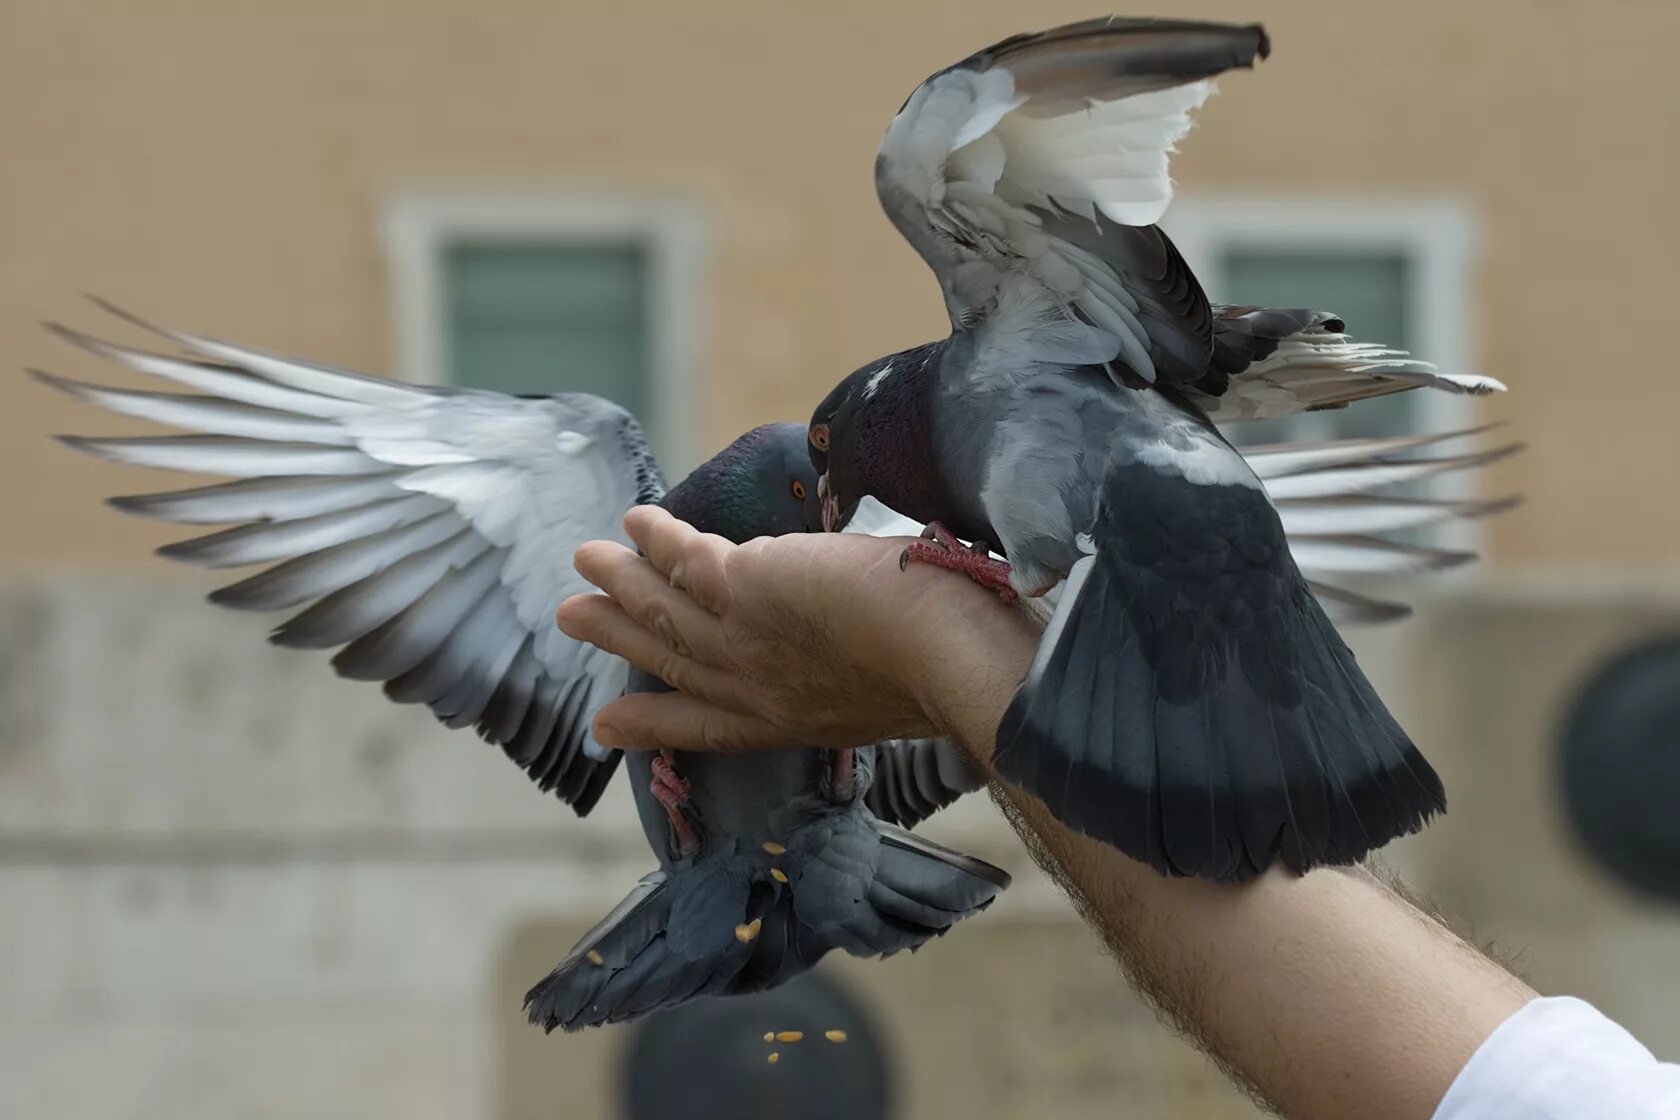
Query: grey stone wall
point(232, 885)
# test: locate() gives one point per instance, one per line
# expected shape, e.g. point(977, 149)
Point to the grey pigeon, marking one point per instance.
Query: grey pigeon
point(429, 531)
point(1191, 702)
point(768, 859)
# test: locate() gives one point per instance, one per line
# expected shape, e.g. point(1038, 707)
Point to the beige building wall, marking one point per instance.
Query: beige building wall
point(233, 885)
point(222, 167)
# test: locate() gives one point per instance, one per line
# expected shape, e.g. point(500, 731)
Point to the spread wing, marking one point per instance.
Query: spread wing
point(1273, 362)
point(1029, 176)
point(425, 532)
point(1341, 525)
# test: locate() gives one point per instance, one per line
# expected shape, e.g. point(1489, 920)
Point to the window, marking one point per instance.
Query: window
point(533, 294)
point(538, 318)
point(1397, 272)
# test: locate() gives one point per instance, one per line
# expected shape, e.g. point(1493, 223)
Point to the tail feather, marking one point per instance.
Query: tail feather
point(868, 888)
point(943, 883)
point(1197, 709)
point(611, 946)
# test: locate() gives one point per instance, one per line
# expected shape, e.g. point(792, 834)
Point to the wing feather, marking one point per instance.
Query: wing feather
point(1030, 175)
point(426, 531)
point(1336, 526)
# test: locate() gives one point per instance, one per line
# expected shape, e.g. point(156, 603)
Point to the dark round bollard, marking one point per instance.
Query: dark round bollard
point(1620, 766)
point(708, 1060)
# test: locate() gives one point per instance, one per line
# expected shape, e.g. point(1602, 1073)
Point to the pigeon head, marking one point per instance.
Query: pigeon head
point(762, 485)
point(869, 437)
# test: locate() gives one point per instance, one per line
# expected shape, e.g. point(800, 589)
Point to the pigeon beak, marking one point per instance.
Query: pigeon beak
point(834, 518)
point(830, 508)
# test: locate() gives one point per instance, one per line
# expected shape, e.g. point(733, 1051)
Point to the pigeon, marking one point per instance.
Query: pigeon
point(428, 532)
point(768, 860)
point(1191, 702)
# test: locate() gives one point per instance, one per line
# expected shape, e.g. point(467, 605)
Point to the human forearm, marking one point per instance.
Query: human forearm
point(1328, 993)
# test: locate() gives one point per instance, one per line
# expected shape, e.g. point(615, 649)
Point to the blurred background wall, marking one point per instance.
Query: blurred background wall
point(233, 885)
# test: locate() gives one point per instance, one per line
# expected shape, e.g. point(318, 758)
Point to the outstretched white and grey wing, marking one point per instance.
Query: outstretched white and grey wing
point(426, 531)
point(1029, 177)
point(1342, 523)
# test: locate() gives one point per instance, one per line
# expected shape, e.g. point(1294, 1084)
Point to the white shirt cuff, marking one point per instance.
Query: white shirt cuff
point(1559, 1059)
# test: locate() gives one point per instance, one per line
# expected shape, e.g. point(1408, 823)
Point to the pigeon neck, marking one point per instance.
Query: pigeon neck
point(720, 497)
point(896, 437)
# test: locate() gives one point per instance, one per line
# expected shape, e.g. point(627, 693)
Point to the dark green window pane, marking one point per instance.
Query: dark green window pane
point(1368, 289)
point(549, 318)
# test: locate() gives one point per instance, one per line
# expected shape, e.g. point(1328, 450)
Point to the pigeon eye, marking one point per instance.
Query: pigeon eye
point(799, 489)
point(819, 436)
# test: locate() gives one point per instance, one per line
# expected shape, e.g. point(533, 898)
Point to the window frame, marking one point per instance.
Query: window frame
point(418, 225)
point(1440, 238)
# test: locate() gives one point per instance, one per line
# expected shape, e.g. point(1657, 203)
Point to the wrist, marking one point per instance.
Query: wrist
point(968, 666)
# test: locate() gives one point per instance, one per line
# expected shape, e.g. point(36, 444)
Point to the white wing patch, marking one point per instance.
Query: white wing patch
point(1109, 157)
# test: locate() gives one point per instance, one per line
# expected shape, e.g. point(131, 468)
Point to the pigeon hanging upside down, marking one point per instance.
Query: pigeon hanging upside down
point(428, 533)
point(1191, 702)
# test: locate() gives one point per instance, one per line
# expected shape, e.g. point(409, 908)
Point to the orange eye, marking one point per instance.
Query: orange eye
point(819, 436)
point(799, 489)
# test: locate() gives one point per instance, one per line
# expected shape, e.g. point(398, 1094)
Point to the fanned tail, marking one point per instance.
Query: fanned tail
point(1192, 705)
point(718, 927)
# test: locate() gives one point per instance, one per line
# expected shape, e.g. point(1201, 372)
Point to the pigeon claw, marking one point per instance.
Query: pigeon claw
point(842, 775)
point(945, 551)
point(670, 789)
point(937, 531)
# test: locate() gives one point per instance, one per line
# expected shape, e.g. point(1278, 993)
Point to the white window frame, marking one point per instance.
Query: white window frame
point(419, 224)
point(1439, 237)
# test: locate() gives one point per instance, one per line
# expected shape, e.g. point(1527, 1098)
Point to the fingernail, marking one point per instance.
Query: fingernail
point(607, 735)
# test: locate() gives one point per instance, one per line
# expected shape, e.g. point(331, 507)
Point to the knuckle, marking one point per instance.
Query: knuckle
point(664, 627)
point(673, 670)
point(714, 734)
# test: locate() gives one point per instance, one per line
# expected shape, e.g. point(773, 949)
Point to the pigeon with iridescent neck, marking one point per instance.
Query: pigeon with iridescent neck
point(1191, 702)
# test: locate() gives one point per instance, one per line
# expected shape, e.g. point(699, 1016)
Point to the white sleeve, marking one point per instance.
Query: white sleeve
point(1559, 1059)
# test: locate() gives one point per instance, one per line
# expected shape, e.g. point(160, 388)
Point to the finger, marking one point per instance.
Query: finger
point(689, 559)
point(605, 625)
point(678, 621)
point(679, 721)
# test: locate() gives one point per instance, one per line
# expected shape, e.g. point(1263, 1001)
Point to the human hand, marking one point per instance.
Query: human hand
point(807, 639)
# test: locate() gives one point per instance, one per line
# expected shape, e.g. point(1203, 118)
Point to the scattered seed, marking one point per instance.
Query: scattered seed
point(745, 933)
point(778, 874)
point(595, 958)
point(789, 1036)
point(769, 1036)
point(773, 1058)
point(835, 1036)
point(774, 848)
